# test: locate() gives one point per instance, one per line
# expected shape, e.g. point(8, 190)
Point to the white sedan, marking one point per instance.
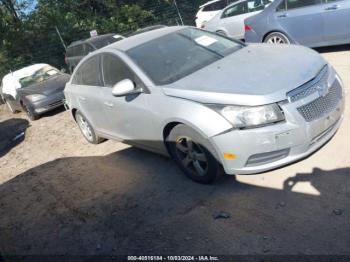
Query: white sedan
point(230, 21)
point(207, 11)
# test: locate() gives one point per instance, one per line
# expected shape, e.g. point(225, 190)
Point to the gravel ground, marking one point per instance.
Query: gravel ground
point(60, 195)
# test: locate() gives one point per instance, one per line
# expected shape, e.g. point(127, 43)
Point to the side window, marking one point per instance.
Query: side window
point(207, 8)
point(282, 7)
point(237, 9)
point(115, 70)
point(89, 73)
point(292, 4)
point(257, 5)
point(217, 6)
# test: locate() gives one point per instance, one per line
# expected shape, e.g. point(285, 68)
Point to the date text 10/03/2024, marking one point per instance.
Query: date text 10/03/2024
point(173, 258)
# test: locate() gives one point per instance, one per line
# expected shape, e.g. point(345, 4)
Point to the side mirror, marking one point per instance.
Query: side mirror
point(124, 88)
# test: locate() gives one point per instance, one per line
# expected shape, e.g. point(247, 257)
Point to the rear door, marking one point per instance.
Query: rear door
point(211, 10)
point(87, 87)
point(337, 21)
point(239, 12)
point(233, 19)
point(302, 20)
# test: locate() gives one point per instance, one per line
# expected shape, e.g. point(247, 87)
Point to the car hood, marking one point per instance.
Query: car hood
point(53, 85)
point(255, 75)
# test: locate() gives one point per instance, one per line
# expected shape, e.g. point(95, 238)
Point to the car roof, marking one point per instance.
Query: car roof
point(136, 40)
point(87, 40)
point(146, 29)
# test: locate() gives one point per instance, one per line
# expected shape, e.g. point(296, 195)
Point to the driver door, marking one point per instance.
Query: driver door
point(129, 117)
point(302, 20)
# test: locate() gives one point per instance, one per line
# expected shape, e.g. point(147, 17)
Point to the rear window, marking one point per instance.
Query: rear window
point(77, 50)
point(39, 76)
point(215, 6)
point(104, 41)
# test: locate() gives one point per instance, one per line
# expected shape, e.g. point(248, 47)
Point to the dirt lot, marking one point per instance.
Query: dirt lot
point(60, 195)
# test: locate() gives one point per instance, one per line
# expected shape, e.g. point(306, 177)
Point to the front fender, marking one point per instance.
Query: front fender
point(196, 115)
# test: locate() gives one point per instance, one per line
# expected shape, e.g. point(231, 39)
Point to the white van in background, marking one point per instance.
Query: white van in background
point(210, 9)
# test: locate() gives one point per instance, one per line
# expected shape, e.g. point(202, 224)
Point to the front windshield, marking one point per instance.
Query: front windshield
point(39, 76)
point(181, 53)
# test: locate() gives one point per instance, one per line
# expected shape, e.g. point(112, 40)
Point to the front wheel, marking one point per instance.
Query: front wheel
point(191, 152)
point(30, 113)
point(277, 38)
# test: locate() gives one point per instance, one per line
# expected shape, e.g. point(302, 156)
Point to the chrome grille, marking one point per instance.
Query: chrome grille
point(56, 104)
point(308, 88)
point(322, 105)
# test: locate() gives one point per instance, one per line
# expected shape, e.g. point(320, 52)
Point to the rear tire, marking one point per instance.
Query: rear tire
point(86, 129)
point(193, 155)
point(276, 38)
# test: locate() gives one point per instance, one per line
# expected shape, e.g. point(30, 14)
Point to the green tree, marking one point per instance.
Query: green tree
point(28, 38)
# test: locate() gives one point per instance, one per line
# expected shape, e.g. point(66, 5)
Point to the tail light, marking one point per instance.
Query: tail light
point(247, 28)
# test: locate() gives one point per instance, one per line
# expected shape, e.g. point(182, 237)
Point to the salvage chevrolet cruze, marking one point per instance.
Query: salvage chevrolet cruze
point(208, 101)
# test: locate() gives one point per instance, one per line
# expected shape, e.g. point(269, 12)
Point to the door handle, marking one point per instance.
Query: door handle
point(283, 15)
point(333, 7)
point(81, 98)
point(108, 104)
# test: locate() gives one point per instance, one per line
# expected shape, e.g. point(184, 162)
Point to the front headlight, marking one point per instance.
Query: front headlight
point(35, 97)
point(252, 116)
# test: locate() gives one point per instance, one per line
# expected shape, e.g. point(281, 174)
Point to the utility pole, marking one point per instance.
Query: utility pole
point(59, 35)
point(178, 12)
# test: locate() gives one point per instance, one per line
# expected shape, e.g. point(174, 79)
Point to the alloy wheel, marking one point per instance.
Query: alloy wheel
point(277, 39)
point(29, 113)
point(85, 127)
point(192, 156)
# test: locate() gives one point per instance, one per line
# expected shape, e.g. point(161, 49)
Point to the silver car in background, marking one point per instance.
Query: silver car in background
point(208, 101)
point(230, 21)
point(313, 23)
